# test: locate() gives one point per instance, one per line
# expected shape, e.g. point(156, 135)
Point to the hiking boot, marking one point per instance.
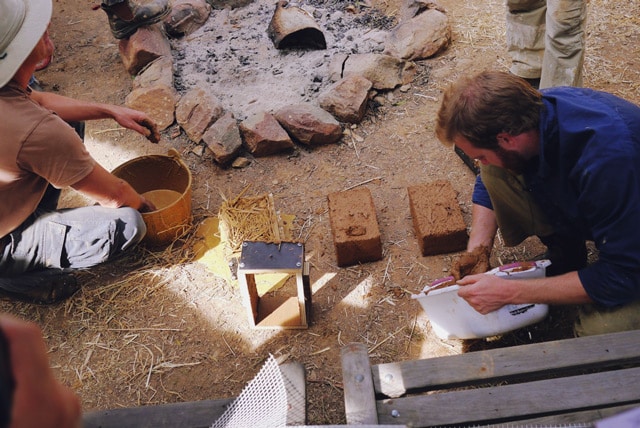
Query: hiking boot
point(534, 82)
point(42, 287)
point(137, 15)
point(566, 254)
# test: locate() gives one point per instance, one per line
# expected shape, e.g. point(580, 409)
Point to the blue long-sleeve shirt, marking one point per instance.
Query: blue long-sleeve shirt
point(587, 181)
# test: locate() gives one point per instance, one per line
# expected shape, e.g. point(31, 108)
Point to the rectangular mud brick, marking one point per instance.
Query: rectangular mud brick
point(437, 218)
point(354, 224)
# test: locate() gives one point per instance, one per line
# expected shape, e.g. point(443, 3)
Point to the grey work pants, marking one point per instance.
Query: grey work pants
point(74, 238)
point(546, 40)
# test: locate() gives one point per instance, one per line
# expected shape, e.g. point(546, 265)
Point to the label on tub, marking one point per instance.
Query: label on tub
point(519, 309)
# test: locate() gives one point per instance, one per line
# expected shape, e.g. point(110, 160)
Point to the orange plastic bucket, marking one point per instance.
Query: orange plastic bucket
point(166, 181)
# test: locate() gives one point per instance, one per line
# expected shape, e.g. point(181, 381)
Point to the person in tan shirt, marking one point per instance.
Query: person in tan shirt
point(41, 154)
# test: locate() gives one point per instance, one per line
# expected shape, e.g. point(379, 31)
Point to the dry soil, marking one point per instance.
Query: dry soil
point(160, 327)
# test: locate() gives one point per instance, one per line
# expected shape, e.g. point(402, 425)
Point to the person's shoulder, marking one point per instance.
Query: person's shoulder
point(10, 95)
point(575, 99)
point(579, 93)
point(570, 92)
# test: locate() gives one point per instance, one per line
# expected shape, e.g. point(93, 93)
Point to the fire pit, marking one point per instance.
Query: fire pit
point(233, 56)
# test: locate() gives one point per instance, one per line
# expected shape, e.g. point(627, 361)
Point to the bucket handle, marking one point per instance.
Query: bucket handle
point(173, 153)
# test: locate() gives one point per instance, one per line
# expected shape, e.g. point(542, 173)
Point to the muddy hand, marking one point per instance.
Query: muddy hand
point(154, 134)
point(476, 261)
point(146, 206)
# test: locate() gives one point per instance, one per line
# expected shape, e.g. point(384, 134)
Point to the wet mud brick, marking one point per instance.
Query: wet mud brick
point(437, 218)
point(354, 224)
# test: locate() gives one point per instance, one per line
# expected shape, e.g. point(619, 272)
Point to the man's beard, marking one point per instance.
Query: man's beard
point(511, 160)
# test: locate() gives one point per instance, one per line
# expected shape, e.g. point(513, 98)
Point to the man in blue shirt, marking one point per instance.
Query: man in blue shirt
point(560, 164)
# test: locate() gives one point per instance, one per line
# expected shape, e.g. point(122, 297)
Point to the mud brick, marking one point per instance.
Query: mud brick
point(354, 224)
point(437, 218)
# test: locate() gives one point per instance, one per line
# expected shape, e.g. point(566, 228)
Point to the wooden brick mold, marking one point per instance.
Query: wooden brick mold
point(354, 224)
point(437, 218)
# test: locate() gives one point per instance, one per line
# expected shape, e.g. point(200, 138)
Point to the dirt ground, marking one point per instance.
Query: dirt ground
point(160, 327)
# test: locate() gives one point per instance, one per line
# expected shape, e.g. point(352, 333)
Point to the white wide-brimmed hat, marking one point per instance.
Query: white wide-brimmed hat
point(22, 24)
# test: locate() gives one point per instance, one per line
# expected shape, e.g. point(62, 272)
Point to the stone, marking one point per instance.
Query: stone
point(437, 218)
point(198, 150)
point(413, 8)
point(145, 45)
point(158, 102)
point(223, 139)
point(241, 162)
point(347, 99)
point(186, 16)
point(157, 72)
point(421, 37)
point(196, 111)
point(263, 135)
point(309, 124)
point(354, 225)
point(385, 72)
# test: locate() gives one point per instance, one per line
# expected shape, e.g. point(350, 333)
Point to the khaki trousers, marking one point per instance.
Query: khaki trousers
point(519, 217)
point(546, 40)
point(594, 319)
point(517, 214)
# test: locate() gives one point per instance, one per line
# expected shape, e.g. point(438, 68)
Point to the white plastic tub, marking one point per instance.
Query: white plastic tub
point(452, 317)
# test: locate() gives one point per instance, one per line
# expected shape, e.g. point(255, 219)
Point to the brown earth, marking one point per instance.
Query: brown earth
point(160, 327)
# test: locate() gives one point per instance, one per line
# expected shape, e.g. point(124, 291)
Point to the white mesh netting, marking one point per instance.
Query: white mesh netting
point(262, 403)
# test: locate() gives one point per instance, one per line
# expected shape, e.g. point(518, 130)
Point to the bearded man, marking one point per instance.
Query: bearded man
point(561, 164)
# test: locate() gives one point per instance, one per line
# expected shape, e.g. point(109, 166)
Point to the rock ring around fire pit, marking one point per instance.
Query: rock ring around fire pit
point(224, 69)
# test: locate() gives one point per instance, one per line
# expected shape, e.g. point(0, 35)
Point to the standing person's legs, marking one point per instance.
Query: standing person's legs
point(564, 44)
point(526, 36)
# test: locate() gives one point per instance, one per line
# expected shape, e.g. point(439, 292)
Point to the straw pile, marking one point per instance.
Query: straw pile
point(248, 219)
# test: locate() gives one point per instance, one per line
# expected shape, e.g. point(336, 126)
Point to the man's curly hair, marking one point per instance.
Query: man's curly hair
point(480, 107)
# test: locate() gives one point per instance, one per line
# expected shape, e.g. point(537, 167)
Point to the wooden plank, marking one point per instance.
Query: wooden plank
point(193, 414)
point(394, 379)
point(250, 298)
point(294, 378)
point(359, 396)
point(514, 402)
point(586, 416)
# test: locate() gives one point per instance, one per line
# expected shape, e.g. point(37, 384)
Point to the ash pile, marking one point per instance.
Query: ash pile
point(268, 76)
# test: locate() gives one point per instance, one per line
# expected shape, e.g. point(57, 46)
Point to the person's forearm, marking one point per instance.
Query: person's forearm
point(556, 290)
point(487, 293)
point(71, 109)
point(108, 190)
point(483, 228)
